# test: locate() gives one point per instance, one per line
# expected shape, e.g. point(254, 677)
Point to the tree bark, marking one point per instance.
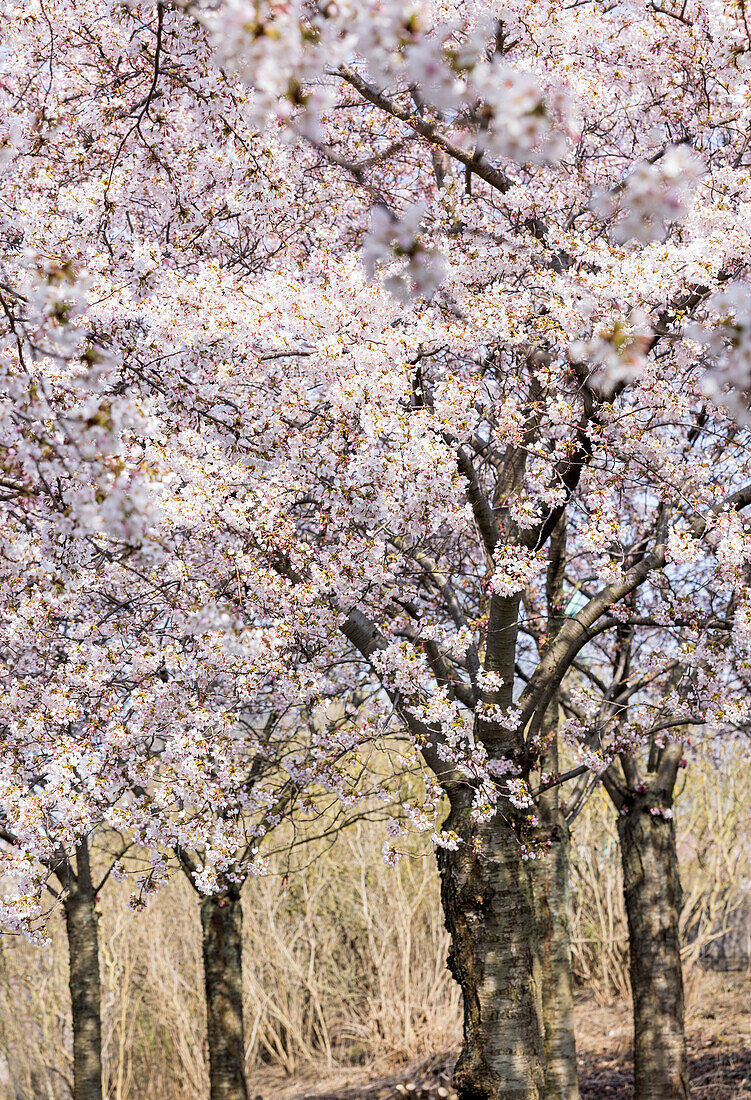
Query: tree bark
point(488, 907)
point(550, 883)
point(79, 905)
point(653, 899)
point(550, 875)
point(221, 921)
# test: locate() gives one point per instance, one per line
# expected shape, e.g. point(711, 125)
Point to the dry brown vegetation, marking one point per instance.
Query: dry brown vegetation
point(346, 989)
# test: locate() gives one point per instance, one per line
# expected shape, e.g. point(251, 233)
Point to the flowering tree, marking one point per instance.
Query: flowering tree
point(329, 800)
point(654, 689)
point(320, 321)
point(77, 885)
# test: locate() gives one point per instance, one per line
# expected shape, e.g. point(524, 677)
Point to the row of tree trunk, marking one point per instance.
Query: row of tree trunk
point(518, 1029)
point(491, 905)
point(221, 924)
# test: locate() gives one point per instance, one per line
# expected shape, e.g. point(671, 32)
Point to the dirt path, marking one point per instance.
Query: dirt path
point(719, 1041)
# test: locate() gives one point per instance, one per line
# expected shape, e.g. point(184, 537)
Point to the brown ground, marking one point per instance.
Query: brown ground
point(719, 1041)
point(718, 1032)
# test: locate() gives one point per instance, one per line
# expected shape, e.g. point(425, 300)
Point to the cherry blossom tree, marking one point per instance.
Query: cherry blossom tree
point(337, 792)
point(321, 319)
point(77, 886)
point(652, 696)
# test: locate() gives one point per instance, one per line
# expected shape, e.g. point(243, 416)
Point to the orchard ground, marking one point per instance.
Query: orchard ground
point(719, 1043)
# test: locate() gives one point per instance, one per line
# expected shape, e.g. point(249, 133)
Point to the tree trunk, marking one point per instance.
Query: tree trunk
point(550, 882)
point(488, 907)
point(79, 906)
point(653, 899)
point(221, 921)
point(550, 876)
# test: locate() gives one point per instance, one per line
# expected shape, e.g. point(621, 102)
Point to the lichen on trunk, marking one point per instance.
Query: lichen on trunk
point(550, 882)
point(487, 901)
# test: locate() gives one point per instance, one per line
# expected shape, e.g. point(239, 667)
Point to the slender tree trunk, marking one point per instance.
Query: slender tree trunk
point(653, 899)
point(79, 906)
point(550, 882)
point(487, 902)
point(550, 877)
point(221, 921)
